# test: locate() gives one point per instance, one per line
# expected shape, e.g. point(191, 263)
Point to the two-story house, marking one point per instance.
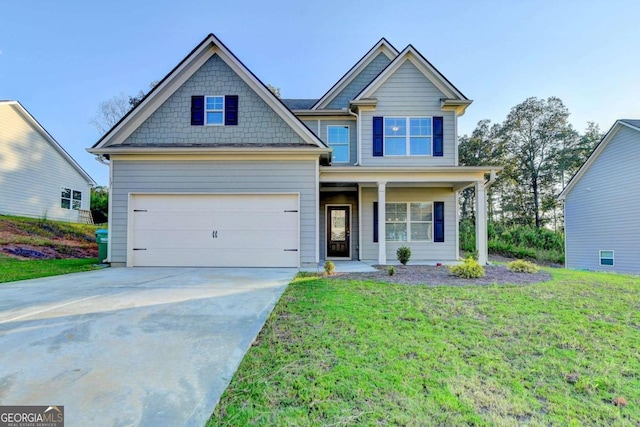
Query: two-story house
point(212, 169)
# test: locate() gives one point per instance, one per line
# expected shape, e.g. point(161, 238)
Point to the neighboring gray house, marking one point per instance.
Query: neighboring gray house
point(38, 178)
point(602, 205)
point(212, 169)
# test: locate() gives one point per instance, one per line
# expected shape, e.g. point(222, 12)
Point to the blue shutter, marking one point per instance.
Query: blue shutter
point(231, 110)
point(197, 110)
point(438, 136)
point(438, 221)
point(375, 221)
point(378, 137)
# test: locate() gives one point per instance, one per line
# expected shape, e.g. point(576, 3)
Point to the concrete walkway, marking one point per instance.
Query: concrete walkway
point(122, 347)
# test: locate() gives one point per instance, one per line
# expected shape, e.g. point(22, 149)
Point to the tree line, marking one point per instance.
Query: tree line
point(539, 150)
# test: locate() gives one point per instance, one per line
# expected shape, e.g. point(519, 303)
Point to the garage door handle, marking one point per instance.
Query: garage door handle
point(214, 234)
point(139, 249)
point(291, 210)
point(139, 210)
point(291, 250)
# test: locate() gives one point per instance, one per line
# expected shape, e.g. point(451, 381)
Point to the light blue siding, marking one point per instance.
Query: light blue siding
point(258, 123)
point(420, 251)
point(408, 93)
point(214, 177)
point(362, 80)
point(602, 211)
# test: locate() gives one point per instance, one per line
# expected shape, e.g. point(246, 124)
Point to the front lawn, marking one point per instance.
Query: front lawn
point(342, 352)
point(13, 269)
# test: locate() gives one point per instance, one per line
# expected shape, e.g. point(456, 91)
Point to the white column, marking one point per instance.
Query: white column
point(481, 223)
point(382, 214)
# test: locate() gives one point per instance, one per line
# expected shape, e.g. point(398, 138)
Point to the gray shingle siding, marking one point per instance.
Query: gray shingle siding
point(257, 122)
point(601, 211)
point(299, 104)
point(214, 177)
point(361, 81)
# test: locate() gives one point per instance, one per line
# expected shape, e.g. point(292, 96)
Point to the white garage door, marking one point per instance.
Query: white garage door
point(230, 230)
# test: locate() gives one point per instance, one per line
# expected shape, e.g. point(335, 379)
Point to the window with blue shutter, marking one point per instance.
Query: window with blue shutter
point(378, 137)
point(375, 221)
point(438, 137)
point(438, 221)
point(231, 110)
point(214, 110)
point(197, 110)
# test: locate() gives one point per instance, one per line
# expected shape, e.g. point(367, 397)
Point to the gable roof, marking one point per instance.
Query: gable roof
point(47, 136)
point(454, 98)
point(383, 46)
point(619, 124)
point(209, 47)
point(299, 104)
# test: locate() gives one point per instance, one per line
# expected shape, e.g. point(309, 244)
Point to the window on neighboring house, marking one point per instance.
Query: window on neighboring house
point(70, 199)
point(606, 257)
point(214, 110)
point(338, 139)
point(409, 222)
point(407, 136)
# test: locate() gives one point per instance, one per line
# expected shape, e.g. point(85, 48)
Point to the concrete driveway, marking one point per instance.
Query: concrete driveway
point(121, 347)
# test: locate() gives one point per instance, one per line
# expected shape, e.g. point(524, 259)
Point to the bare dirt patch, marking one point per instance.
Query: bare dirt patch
point(23, 238)
point(438, 276)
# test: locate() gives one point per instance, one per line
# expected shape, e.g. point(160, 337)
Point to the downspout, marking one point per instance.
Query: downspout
point(102, 159)
point(357, 116)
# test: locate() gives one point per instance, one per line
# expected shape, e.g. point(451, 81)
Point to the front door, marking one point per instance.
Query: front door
point(338, 233)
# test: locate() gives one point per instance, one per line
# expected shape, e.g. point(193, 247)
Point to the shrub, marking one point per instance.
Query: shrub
point(403, 253)
point(469, 269)
point(329, 267)
point(521, 266)
point(391, 270)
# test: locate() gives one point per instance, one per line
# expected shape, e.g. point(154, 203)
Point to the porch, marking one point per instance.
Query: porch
point(366, 213)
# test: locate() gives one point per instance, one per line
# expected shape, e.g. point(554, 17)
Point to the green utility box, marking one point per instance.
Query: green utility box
point(102, 237)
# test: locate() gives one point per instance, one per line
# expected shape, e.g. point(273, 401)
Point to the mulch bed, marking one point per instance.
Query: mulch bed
point(439, 276)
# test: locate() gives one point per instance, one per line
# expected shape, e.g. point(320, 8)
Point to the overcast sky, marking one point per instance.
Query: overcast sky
point(60, 59)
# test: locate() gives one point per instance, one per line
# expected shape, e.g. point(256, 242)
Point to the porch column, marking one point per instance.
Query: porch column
point(382, 214)
point(481, 223)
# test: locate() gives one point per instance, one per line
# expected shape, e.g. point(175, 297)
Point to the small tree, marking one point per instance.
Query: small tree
point(100, 204)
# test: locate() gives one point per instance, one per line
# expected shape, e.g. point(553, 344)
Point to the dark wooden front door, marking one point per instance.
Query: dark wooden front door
point(338, 233)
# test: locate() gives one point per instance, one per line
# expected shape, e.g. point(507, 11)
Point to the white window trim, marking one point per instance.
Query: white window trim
point(348, 144)
point(206, 122)
point(407, 137)
point(71, 199)
point(613, 258)
point(408, 222)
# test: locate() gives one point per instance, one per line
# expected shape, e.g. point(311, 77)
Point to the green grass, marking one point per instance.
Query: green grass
point(337, 352)
point(40, 232)
point(13, 269)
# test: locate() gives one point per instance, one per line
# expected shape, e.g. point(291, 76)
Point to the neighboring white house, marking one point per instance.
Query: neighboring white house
point(212, 169)
point(602, 205)
point(38, 178)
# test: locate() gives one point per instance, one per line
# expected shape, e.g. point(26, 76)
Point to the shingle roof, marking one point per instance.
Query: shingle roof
point(299, 104)
point(635, 123)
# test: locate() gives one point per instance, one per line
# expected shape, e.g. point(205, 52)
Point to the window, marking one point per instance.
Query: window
point(408, 222)
point(606, 257)
point(70, 199)
point(407, 136)
point(338, 139)
point(214, 110)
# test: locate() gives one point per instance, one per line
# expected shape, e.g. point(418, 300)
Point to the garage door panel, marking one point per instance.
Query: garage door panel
point(215, 230)
point(195, 239)
point(207, 258)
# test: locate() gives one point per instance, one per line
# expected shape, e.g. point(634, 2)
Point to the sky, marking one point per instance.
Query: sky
point(62, 59)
